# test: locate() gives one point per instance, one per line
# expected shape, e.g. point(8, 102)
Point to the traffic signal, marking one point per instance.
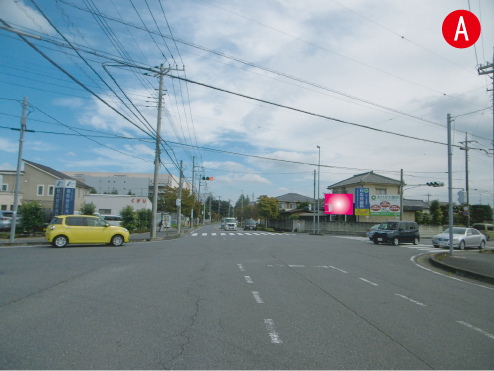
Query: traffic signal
point(435, 184)
point(207, 178)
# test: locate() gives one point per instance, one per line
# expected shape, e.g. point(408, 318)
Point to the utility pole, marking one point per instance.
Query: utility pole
point(229, 207)
point(242, 217)
point(450, 186)
point(466, 149)
point(193, 193)
point(401, 196)
point(179, 201)
point(318, 192)
point(488, 69)
point(219, 203)
point(210, 218)
point(314, 211)
point(13, 221)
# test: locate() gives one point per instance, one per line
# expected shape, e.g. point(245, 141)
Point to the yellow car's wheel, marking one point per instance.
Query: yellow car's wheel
point(117, 240)
point(60, 241)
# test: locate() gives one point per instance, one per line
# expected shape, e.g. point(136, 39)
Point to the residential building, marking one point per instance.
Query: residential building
point(37, 183)
point(138, 184)
point(377, 184)
point(290, 201)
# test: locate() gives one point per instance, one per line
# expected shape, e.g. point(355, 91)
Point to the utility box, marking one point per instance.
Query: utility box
point(462, 197)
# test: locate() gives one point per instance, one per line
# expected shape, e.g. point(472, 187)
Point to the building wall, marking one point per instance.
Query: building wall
point(123, 184)
point(115, 203)
point(7, 200)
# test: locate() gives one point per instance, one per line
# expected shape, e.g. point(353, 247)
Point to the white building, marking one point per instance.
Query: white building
point(113, 204)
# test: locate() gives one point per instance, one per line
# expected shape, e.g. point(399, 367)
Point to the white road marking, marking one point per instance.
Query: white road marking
point(296, 266)
point(240, 234)
point(223, 234)
point(372, 283)
point(204, 234)
point(213, 234)
point(320, 266)
point(441, 274)
point(194, 234)
point(413, 301)
point(264, 234)
point(241, 267)
point(249, 234)
point(353, 238)
point(476, 329)
point(248, 279)
point(275, 338)
point(232, 234)
point(338, 269)
point(257, 234)
point(257, 297)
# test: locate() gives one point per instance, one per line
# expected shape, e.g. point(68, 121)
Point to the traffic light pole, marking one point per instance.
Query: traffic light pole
point(450, 187)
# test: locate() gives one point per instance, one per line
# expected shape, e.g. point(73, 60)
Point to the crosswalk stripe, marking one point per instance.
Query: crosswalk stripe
point(223, 234)
point(232, 234)
point(213, 234)
point(204, 234)
point(194, 234)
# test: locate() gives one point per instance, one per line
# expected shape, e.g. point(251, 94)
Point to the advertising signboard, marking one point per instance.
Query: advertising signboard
point(362, 205)
point(385, 205)
point(339, 204)
point(64, 198)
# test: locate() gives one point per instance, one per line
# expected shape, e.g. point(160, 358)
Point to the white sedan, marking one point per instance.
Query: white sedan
point(462, 237)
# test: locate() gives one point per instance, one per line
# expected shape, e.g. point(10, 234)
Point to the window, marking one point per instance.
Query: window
point(5, 187)
point(381, 191)
point(41, 190)
point(475, 232)
point(292, 206)
point(95, 222)
point(3, 207)
point(75, 221)
point(51, 190)
point(104, 211)
point(490, 228)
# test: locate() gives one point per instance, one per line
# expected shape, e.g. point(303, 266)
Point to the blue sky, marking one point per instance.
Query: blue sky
point(381, 64)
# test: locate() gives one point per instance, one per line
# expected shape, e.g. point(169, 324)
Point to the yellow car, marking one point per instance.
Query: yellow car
point(84, 229)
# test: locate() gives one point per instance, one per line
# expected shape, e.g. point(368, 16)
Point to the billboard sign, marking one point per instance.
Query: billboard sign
point(64, 198)
point(339, 204)
point(362, 204)
point(385, 205)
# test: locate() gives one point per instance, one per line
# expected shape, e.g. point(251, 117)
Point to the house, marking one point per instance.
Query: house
point(410, 207)
point(290, 201)
point(37, 183)
point(378, 185)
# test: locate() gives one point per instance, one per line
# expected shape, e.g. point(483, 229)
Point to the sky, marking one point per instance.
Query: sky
point(369, 82)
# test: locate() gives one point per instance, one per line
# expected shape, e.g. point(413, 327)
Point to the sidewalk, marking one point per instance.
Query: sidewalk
point(474, 264)
point(134, 237)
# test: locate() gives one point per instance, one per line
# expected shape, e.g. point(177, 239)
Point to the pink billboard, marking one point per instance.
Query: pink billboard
point(339, 204)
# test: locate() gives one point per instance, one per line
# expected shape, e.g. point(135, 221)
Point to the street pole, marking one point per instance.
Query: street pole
point(318, 193)
point(179, 206)
point(13, 221)
point(192, 211)
point(466, 149)
point(401, 196)
point(210, 218)
point(450, 186)
point(219, 203)
point(157, 156)
point(488, 69)
point(242, 217)
point(314, 215)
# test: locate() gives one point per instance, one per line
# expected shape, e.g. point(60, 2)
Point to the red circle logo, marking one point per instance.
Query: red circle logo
point(461, 29)
point(375, 207)
point(394, 208)
point(385, 204)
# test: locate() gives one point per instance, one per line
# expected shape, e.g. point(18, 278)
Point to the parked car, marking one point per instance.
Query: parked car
point(230, 224)
point(222, 226)
point(486, 229)
point(250, 224)
point(462, 238)
point(84, 229)
point(6, 218)
point(370, 232)
point(112, 219)
point(396, 232)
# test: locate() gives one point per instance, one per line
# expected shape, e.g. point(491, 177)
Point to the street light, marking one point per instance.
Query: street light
point(318, 194)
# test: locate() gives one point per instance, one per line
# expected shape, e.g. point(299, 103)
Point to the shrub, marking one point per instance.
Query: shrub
point(33, 217)
point(128, 218)
point(88, 209)
point(144, 219)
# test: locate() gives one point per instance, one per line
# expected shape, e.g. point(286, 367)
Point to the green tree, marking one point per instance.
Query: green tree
point(143, 219)
point(426, 219)
point(268, 207)
point(88, 208)
point(33, 217)
point(305, 205)
point(480, 213)
point(419, 217)
point(93, 191)
point(128, 218)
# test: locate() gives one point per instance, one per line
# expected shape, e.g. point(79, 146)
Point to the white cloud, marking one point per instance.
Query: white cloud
point(8, 146)
point(18, 13)
point(7, 166)
point(72, 154)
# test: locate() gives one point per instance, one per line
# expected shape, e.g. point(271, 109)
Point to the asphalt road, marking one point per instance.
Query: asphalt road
point(241, 301)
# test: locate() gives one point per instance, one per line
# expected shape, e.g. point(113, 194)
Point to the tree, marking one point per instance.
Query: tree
point(419, 217)
point(480, 213)
point(93, 191)
point(143, 219)
point(426, 219)
point(305, 205)
point(268, 207)
point(436, 213)
point(88, 209)
point(33, 216)
point(128, 218)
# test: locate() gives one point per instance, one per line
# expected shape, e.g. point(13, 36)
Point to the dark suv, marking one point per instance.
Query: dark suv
point(396, 232)
point(250, 224)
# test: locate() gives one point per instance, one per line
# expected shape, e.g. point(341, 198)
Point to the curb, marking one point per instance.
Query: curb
point(435, 261)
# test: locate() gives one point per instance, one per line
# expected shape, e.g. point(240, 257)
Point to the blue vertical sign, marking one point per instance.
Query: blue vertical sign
point(362, 198)
point(64, 200)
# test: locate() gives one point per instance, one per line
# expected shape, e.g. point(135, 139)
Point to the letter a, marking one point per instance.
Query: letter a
point(460, 24)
